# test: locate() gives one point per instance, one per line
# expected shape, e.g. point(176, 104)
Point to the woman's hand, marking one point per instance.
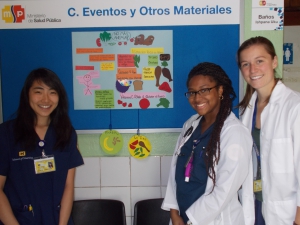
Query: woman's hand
point(6, 214)
point(176, 218)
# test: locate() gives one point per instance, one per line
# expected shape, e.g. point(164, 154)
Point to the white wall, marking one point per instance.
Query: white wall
point(123, 178)
point(291, 72)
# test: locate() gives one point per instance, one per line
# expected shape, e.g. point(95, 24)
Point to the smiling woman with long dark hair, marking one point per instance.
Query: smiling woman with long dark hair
point(212, 158)
point(38, 155)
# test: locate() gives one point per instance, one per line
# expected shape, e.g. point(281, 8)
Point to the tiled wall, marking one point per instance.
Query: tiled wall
point(122, 178)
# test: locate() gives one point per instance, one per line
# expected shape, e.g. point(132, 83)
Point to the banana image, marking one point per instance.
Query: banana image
point(106, 146)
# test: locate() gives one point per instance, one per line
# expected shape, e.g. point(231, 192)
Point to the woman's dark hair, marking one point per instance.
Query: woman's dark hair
point(26, 118)
point(216, 73)
point(269, 47)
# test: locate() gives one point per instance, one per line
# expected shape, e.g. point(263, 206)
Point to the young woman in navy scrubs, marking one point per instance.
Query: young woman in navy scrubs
point(38, 155)
point(217, 147)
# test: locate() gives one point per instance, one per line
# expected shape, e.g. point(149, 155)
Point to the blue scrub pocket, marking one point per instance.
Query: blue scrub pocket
point(24, 217)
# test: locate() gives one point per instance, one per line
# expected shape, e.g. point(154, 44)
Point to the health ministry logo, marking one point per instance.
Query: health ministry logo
point(13, 14)
point(262, 3)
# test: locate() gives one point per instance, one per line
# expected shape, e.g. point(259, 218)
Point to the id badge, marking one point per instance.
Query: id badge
point(257, 186)
point(44, 165)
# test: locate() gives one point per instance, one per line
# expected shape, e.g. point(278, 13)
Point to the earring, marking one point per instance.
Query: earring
point(221, 97)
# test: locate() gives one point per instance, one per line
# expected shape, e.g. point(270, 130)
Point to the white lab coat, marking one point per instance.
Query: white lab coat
point(234, 169)
point(280, 154)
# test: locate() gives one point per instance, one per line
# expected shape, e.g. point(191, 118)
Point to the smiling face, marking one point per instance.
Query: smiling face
point(209, 105)
point(43, 100)
point(257, 67)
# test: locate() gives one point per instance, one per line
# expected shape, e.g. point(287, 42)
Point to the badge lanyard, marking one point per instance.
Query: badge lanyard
point(257, 183)
point(44, 163)
point(189, 163)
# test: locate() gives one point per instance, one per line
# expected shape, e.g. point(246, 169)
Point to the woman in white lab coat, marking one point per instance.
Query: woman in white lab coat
point(272, 112)
point(212, 159)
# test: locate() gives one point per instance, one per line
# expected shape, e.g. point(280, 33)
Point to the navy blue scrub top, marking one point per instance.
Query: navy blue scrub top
point(188, 192)
point(24, 187)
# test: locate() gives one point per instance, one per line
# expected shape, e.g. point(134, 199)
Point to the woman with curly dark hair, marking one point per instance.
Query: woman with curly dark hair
point(38, 155)
point(212, 157)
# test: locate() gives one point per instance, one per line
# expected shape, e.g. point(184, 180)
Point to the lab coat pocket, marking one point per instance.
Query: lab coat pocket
point(218, 220)
point(286, 211)
point(281, 155)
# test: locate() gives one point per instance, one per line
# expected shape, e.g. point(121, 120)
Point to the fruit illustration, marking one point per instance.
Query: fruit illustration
point(120, 43)
point(125, 43)
point(165, 87)
point(129, 105)
point(124, 104)
point(131, 39)
point(144, 103)
point(157, 73)
point(135, 142)
point(106, 146)
point(121, 88)
point(98, 42)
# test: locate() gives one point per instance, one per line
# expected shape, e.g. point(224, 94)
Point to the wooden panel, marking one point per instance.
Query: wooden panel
point(294, 3)
point(286, 3)
point(291, 18)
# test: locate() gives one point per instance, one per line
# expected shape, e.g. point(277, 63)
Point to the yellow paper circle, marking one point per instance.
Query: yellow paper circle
point(139, 147)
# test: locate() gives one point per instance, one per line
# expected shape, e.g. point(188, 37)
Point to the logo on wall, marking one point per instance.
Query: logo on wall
point(13, 14)
point(262, 3)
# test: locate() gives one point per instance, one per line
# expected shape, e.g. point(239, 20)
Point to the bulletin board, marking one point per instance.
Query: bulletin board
point(22, 50)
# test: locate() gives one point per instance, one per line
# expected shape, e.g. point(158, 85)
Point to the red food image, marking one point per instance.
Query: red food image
point(125, 43)
point(98, 42)
point(132, 146)
point(135, 142)
point(131, 39)
point(124, 104)
point(120, 102)
point(144, 103)
point(165, 87)
point(120, 43)
point(129, 105)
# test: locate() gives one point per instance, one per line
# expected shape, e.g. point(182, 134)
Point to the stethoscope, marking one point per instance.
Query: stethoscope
point(186, 135)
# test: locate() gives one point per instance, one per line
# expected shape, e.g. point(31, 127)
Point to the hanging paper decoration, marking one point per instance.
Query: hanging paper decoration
point(111, 142)
point(139, 147)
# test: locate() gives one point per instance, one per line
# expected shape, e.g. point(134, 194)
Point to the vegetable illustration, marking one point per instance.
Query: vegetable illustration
point(164, 102)
point(105, 36)
point(165, 87)
point(144, 103)
point(136, 59)
point(164, 64)
point(157, 73)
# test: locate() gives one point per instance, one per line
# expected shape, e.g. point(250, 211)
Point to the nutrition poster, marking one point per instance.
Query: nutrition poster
point(123, 69)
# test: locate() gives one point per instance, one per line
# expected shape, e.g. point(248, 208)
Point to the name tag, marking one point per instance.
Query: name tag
point(44, 165)
point(257, 186)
